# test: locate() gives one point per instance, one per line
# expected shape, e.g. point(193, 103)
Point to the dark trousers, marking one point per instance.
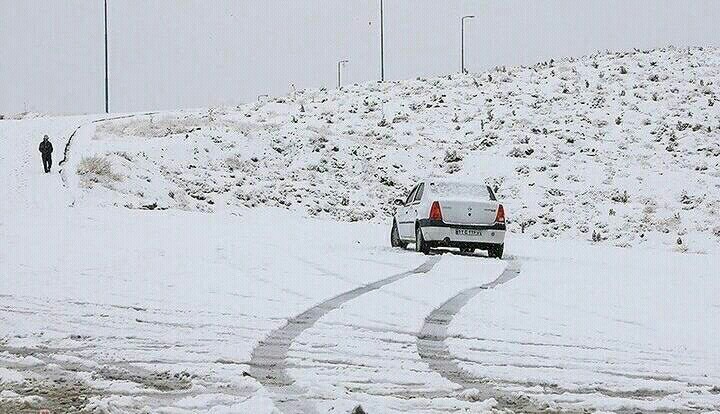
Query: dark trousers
point(47, 162)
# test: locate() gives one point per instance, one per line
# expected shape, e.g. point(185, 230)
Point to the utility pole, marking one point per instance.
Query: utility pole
point(340, 63)
point(107, 100)
point(382, 42)
point(462, 42)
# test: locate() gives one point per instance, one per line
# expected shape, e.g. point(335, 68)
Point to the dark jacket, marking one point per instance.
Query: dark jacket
point(46, 148)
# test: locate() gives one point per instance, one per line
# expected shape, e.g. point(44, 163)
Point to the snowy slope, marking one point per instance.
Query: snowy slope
point(576, 147)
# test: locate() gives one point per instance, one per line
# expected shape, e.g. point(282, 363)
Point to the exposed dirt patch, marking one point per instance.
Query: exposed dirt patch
point(54, 394)
point(160, 381)
point(52, 384)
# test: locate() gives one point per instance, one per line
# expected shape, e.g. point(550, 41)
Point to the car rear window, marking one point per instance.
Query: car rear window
point(462, 190)
point(419, 193)
point(411, 196)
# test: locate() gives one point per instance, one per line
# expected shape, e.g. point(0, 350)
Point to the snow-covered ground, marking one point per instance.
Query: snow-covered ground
point(194, 261)
point(599, 328)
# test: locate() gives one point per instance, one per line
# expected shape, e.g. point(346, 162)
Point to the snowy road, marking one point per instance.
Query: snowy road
point(433, 350)
point(269, 357)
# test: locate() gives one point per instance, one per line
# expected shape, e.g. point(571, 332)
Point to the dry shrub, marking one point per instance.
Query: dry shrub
point(96, 169)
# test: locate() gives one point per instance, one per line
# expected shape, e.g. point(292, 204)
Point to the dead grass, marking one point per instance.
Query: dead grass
point(96, 169)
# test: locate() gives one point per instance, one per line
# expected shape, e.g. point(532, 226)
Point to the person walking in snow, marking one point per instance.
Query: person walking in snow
point(46, 150)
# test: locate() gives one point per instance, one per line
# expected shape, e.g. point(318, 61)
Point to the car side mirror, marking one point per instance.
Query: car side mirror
point(399, 202)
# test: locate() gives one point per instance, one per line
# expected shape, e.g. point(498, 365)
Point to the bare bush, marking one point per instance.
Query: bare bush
point(619, 197)
point(453, 155)
point(96, 169)
point(233, 163)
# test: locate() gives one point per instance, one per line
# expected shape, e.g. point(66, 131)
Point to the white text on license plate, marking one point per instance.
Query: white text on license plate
point(468, 232)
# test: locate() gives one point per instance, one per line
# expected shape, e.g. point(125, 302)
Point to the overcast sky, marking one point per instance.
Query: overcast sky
point(168, 54)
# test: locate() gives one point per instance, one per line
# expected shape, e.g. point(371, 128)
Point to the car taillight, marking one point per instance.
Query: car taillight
point(500, 217)
point(435, 212)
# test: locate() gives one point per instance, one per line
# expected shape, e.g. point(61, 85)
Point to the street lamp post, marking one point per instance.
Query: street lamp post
point(107, 100)
point(340, 63)
point(462, 42)
point(382, 42)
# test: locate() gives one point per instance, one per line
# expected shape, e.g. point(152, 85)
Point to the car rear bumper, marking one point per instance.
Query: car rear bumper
point(439, 233)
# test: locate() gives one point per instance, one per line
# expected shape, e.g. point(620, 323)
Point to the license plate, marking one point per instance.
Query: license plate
point(468, 232)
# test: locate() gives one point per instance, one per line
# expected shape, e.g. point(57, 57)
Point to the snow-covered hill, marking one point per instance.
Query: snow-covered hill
point(620, 145)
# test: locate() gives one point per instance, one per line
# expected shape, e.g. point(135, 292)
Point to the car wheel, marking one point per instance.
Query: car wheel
point(395, 240)
point(420, 245)
point(496, 251)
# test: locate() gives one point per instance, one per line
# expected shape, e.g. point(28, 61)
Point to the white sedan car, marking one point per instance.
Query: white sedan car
point(446, 214)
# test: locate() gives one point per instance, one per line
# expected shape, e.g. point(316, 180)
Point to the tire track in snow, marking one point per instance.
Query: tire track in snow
point(435, 352)
point(268, 363)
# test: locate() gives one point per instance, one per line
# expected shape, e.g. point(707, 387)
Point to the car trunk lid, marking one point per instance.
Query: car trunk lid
point(471, 212)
